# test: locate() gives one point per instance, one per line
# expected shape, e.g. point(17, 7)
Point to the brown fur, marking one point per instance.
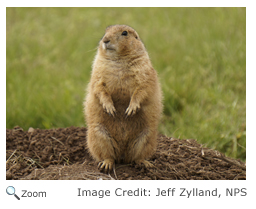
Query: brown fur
point(124, 101)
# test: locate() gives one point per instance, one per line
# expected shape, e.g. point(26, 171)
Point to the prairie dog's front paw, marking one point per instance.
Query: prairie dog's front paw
point(109, 108)
point(132, 109)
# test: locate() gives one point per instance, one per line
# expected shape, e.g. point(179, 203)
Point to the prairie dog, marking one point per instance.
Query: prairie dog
point(123, 105)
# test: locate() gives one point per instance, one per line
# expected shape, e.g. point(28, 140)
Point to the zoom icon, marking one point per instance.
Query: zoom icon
point(10, 190)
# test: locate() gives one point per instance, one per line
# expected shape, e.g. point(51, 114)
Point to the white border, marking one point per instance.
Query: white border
point(64, 193)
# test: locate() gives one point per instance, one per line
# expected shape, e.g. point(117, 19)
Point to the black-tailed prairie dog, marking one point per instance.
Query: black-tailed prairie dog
point(123, 105)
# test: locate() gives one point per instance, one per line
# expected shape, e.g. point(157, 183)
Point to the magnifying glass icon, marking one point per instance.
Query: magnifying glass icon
point(10, 190)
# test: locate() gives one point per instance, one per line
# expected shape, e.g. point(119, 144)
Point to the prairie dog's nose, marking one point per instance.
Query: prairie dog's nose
point(106, 40)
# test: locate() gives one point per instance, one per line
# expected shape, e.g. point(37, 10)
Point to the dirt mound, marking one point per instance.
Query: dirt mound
point(61, 154)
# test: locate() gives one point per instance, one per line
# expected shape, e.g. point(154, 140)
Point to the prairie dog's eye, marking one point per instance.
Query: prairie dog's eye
point(124, 33)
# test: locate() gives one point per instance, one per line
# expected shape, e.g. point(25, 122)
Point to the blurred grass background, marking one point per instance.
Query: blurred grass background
point(199, 53)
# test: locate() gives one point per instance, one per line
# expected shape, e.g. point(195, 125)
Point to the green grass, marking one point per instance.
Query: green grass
point(199, 53)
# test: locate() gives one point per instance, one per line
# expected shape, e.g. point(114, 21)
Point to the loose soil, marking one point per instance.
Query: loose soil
point(61, 154)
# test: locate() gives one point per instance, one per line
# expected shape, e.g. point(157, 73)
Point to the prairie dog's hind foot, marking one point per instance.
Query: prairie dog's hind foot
point(144, 163)
point(106, 165)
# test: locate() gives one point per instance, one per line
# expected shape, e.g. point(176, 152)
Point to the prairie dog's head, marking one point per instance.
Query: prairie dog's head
point(121, 40)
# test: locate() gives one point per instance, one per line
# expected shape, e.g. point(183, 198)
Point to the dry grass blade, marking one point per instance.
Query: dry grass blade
point(114, 169)
point(57, 140)
point(10, 156)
